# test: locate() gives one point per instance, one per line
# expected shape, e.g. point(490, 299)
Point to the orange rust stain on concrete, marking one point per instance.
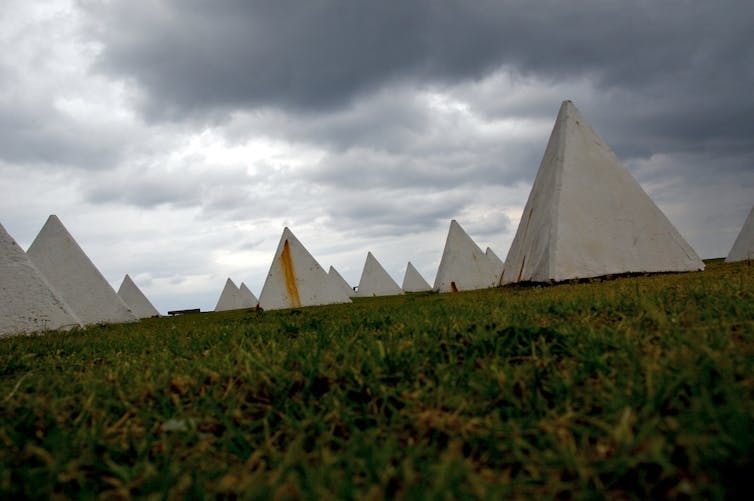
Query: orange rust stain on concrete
point(290, 276)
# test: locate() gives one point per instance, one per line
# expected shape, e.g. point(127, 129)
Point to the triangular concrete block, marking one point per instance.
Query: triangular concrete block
point(27, 302)
point(586, 216)
point(296, 279)
point(246, 297)
point(229, 297)
point(340, 282)
point(463, 265)
point(413, 281)
point(375, 281)
point(136, 300)
point(72, 274)
point(497, 263)
point(743, 247)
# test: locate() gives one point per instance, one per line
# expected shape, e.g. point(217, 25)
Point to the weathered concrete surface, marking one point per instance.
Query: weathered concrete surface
point(340, 282)
point(247, 299)
point(463, 265)
point(413, 281)
point(130, 293)
point(229, 297)
point(375, 281)
point(586, 216)
point(743, 247)
point(72, 274)
point(296, 279)
point(27, 302)
point(497, 263)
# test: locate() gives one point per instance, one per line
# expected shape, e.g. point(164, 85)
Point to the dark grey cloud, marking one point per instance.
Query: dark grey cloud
point(193, 55)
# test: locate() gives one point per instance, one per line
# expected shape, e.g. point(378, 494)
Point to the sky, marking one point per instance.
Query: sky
point(175, 139)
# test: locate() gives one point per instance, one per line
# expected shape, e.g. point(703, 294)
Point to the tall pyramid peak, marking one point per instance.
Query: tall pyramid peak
point(413, 281)
point(375, 281)
point(340, 282)
point(743, 247)
point(246, 297)
point(296, 279)
point(463, 265)
point(130, 293)
point(229, 299)
point(27, 301)
point(71, 273)
point(586, 216)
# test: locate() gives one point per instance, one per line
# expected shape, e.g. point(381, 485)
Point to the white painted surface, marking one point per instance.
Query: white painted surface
point(586, 216)
point(296, 279)
point(743, 247)
point(340, 282)
point(74, 277)
point(413, 281)
point(27, 302)
point(463, 265)
point(375, 281)
point(497, 263)
point(130, 293)
point(247, 299)
point(229, 297)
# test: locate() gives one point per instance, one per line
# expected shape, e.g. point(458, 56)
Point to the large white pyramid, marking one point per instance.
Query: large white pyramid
point(463, 265)
point(136, 300)
point(296, 279)
point(72, 274)
point(586, 216)
point(413, 281)
point(229, 297)
point(27, 302)
point(497, 263)
point(375, 281)
point(247, 299)
point(743, 247)
point(340, 282)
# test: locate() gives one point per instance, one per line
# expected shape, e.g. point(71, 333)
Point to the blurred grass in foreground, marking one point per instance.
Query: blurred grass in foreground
point(631, 388)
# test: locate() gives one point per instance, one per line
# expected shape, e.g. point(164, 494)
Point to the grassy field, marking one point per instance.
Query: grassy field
point(631, 388)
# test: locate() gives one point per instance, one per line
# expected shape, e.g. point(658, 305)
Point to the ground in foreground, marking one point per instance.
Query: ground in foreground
point(633, 388)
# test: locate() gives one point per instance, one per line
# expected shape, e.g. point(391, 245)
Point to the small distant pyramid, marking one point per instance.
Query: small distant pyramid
point(296, 279)
point(497, 263)
point(27, 302)
point(229, 297)
point(375, 281)
point(340, 282)
point(586, 216)
point(463, 265)
point(136, 300)
point(413, 281)
point(743, 247)
point(72, 274)
point(247, 299)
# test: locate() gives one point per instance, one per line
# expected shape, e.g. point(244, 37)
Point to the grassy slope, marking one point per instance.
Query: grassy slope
point(634, 387)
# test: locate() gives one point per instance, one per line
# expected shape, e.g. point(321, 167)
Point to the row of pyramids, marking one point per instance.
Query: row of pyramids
point(586, 216)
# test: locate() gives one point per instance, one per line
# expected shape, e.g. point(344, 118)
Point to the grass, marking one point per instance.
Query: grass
point(631, 388)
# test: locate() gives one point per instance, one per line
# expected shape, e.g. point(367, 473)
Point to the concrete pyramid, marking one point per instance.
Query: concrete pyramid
point(413, 281)
point(586, 216)
point(743, 247)
point(247, 299)
point(340, 282)
point(463, 265)
point(497, 263)
point(229, 297)
point(27, 302)
point(73, 275)
point(296, 279)
point(375, 281)
point(136, 300)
